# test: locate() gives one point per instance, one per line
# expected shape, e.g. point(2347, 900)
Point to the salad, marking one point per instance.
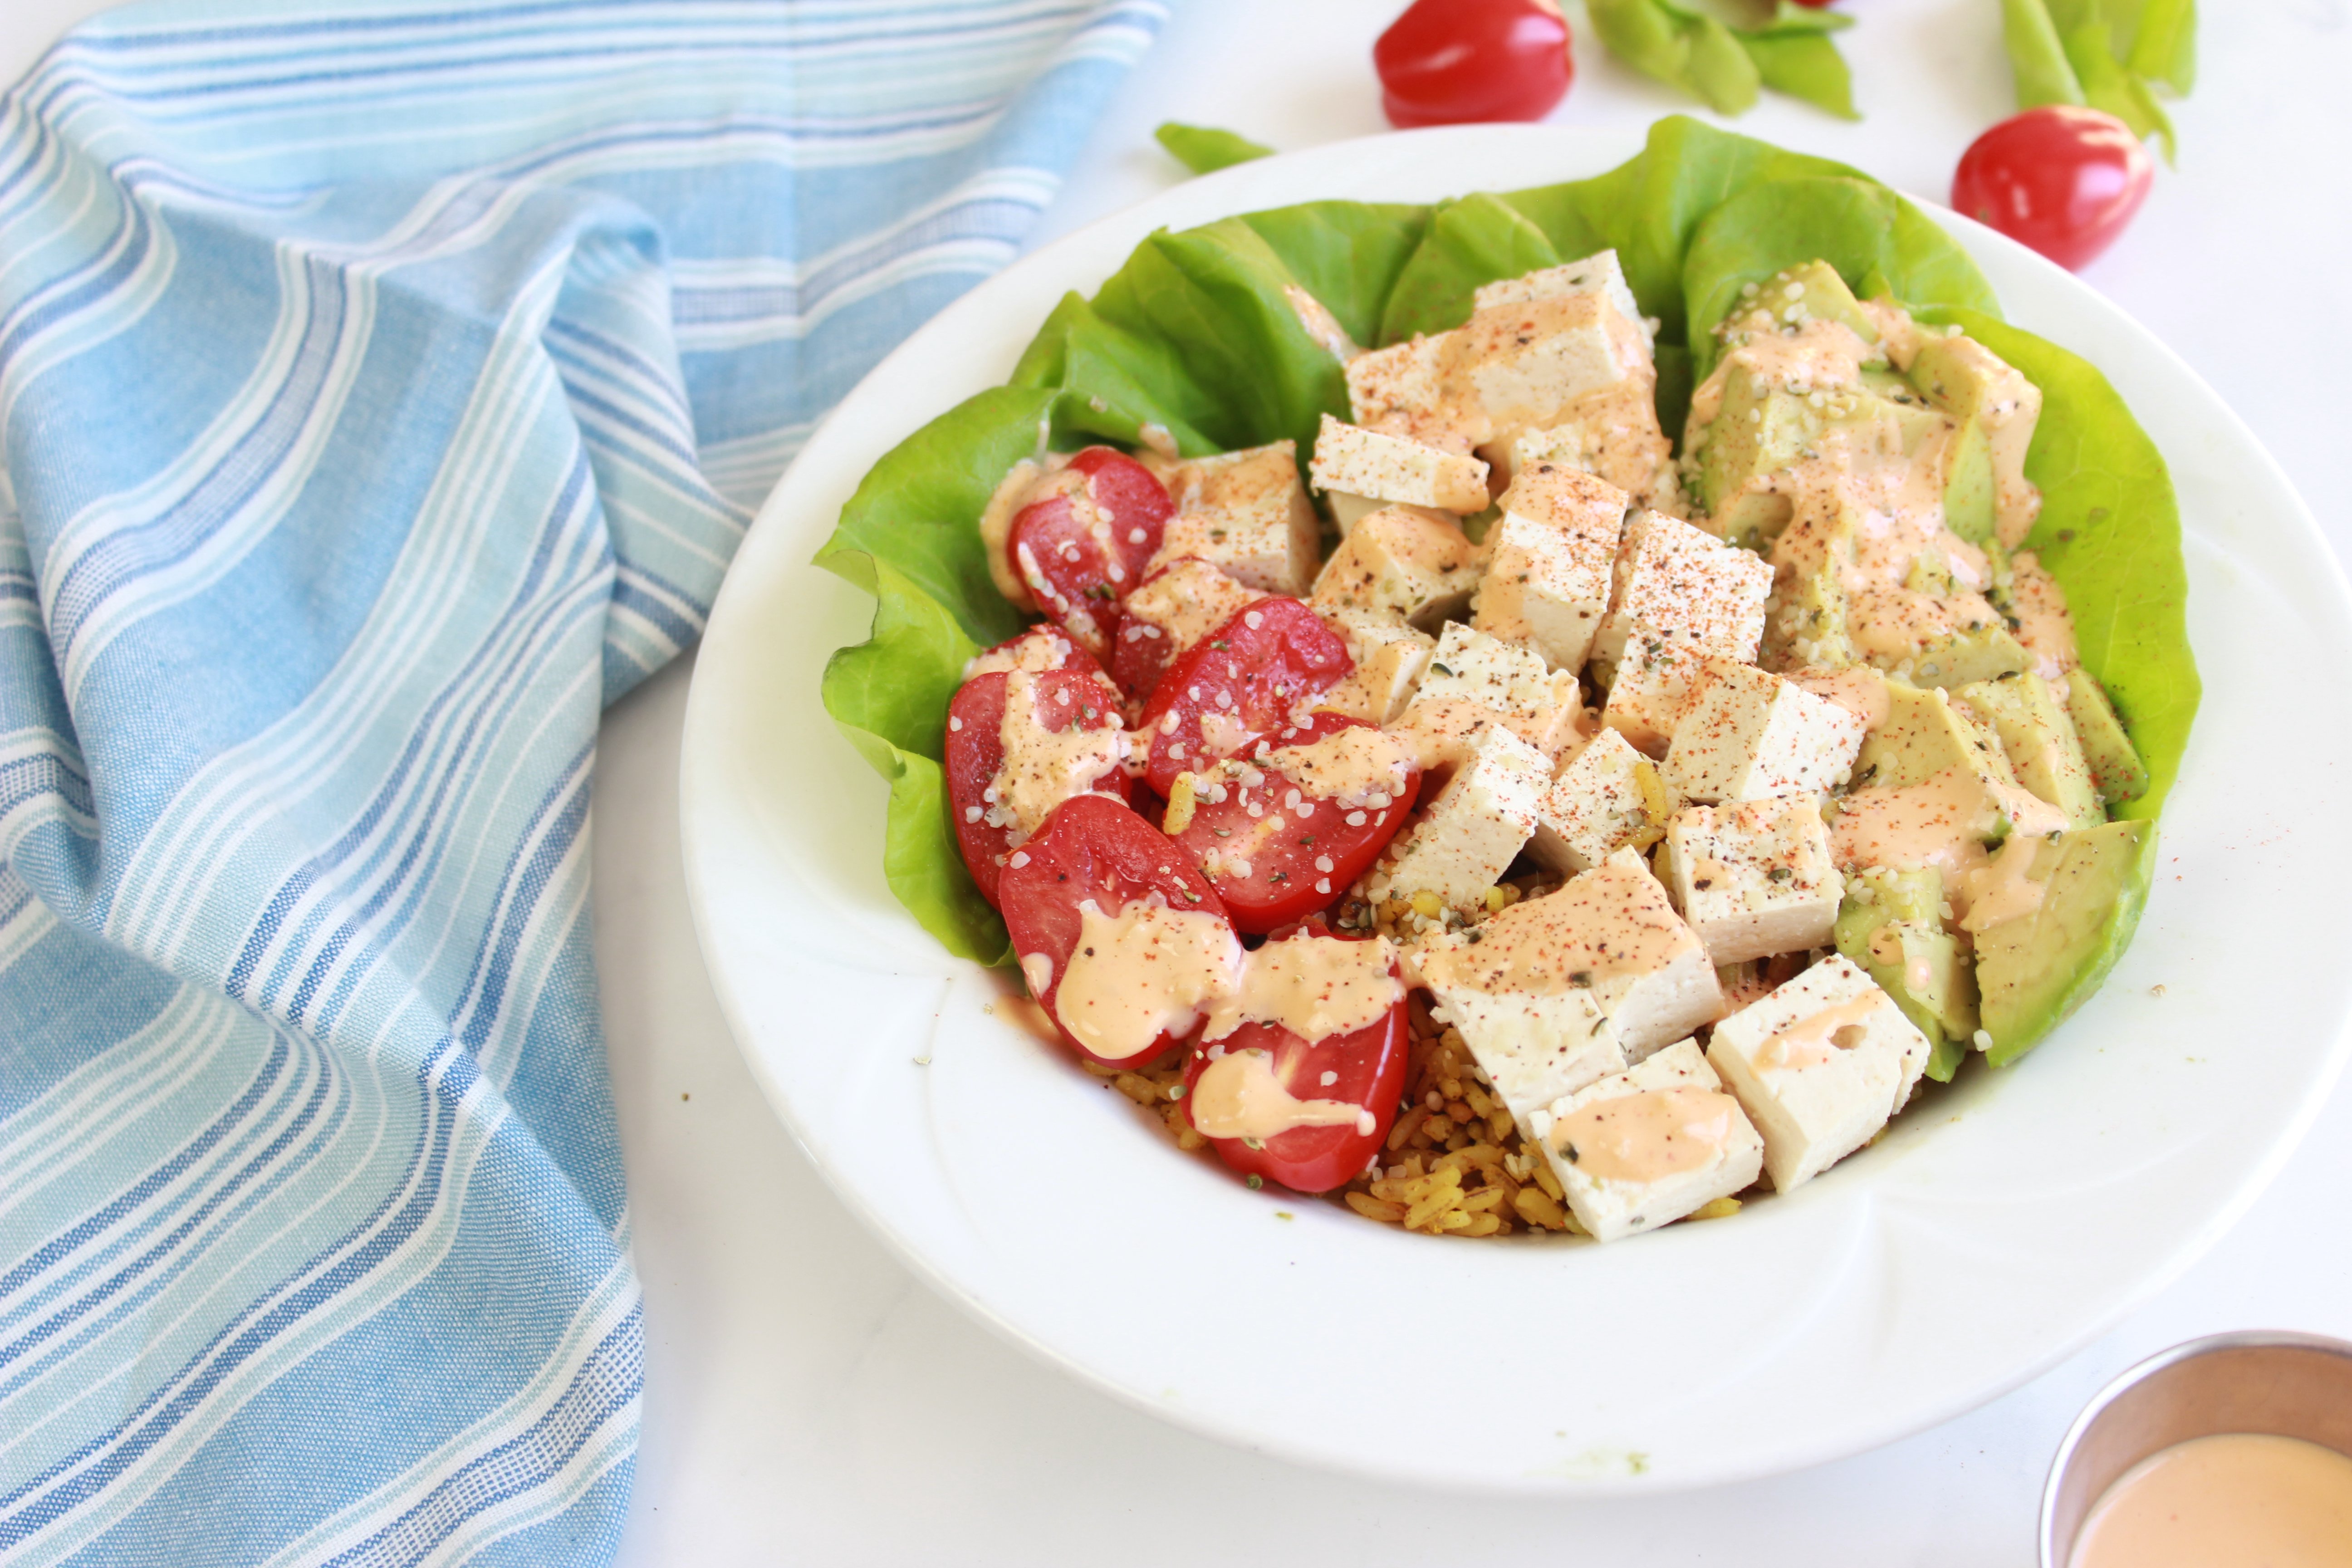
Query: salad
point(1591, 755)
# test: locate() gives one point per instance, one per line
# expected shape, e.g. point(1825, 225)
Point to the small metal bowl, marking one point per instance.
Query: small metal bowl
point(2291, 1386)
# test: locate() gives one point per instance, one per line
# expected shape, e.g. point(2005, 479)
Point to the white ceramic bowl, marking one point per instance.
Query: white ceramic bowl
point(1981, 1241)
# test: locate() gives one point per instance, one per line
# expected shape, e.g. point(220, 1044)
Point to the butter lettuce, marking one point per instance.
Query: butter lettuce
point(1196, 336)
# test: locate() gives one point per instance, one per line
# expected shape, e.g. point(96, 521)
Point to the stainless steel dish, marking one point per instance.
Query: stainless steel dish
point(2293, 1385)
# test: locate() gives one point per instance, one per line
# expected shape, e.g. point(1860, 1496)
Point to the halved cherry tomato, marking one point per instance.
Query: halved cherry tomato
point(1447, 61)
point(1187, 592)
point(1239, 683)
point(2061, 179)
point(1083, 538)
point(1364, 1068)
point(1096, 850)
point(1070, 691)
point(1278, 846)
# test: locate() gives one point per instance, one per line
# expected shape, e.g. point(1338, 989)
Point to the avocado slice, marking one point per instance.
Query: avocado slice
point(1891, 924)
point(1808, 625)
point(1976, 386)
point(2040, 741)
point(1820, 293)
point(1925, 734)
point(2115, 767)
point(2033, 972)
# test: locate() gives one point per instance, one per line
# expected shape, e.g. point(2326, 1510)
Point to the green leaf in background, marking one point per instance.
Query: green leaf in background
point(2159, 41)
point(1204, 149)
point(1721, 53)
point(1194, 333)
point(1879, 243)
point(2110, 54)
point(2110, 532)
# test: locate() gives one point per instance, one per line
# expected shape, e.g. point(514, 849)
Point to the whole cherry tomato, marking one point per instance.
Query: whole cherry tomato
point(2061, 179)
point(1447, 61)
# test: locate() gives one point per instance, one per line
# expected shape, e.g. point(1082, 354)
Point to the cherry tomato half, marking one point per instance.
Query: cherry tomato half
point(1238, 684)
point(1083, 538)
point(1363, 1069)
point(2061, 179)
point(1447, 61)
point(1062, 690)
point(1280, 845)
point(1094, 850)
point(1168, 612)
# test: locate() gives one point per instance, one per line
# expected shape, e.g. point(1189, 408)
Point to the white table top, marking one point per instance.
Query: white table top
point(807, 1401)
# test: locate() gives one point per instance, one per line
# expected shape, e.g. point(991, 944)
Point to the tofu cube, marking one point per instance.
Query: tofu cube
point(1523, 363)
point(1401, 390)
point(1598, 273)
point(1391, 659)
point(1644, 1147)
point(1469, 835)
point(1754, 878)
point(1652, 685)
point(1819, 1066)
point(1474, 680)
point(1401, 560)
point(1533, 1046)
point(1679, 578)
point(1550, 558)
point(1245, 514)
point(1747, 734)
point(1609, 798)
point(1182, 603)
point(1396, 470)
point(1615, 437)
point(1613, 932)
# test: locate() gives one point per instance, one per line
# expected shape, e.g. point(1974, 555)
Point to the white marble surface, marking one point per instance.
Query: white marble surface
point(807, 1401)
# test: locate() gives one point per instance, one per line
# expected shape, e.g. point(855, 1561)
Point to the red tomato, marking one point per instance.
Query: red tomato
point(1364, 1068)
point(1095, 849)
point(1239, 683)
point(1084, 538)
point(1277, 849)
point(2063, 180)
point(1142, 651)
point(1447, 61)
point(1076, 695)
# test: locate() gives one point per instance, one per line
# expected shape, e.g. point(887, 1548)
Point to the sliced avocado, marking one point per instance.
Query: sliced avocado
point(1808, 624)
point(1962, 658)
point(2033, 971)
point(1924, 735)
point(1891, 924)
point(1820, 293)
point(1970, 490)
point(2040, 742)
point(2115, 767)
point(1976, 386)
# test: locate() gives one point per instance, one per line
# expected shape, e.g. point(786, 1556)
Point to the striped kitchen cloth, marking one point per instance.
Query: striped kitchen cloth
point(383, 388)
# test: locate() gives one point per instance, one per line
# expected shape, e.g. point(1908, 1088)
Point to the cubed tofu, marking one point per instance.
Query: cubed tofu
point(1523, 363)
point(1677, 577)
point(1396, 470)
point(1474, 680)
point(1391, 659)
point(1754, 878)
point(1549, 557)
point(1247, 514)
point(1819, 1066)
point(1533, 1046)
point(1467, 837)
point(1644, 1147)
point(1599, 273)
point(1652, 685)
point(1402, 389)
point(1747, 734)
point(1611, 931)
point(1402, 560)
point(1609, 798)
point(1182, 603)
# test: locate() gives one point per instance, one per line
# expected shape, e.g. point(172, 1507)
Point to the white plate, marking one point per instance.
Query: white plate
point(1981, 1242)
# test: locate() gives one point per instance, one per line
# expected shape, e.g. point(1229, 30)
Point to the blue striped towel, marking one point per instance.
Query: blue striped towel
point(382, 392)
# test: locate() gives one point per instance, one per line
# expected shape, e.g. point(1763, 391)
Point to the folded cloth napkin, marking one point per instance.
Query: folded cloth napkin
point(383, 390)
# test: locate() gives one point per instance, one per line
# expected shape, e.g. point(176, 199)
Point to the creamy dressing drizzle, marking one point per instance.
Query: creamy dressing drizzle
point(1812, 1041)
point(1145, 971)
point(996, 532)
point(1037, 652)
point(1648, 1136)
point(2043, 626)
point(1042, 767)
point(1611, 921)
point(1240, 1096)
point(1314, 987)
point(2005, 890)
point(1352, 766)
point(2241, 1497)
point(1860, 691)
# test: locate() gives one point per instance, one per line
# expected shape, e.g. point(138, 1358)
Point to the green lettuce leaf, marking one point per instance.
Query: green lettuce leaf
point(1722, 59)
point(2111, 55)
point(2110, 532)
point(1204, 149)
